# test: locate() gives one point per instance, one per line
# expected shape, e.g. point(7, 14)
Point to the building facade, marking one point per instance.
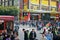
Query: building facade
point(9, 2)
point(6, 2)
point(38, 9)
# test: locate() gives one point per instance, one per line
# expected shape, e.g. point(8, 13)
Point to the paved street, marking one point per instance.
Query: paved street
point(21, 36)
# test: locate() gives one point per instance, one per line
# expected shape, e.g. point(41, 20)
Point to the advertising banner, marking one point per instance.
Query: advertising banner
point(53, 3)
point(34, 1)
point(45, 2)
point(25, 5)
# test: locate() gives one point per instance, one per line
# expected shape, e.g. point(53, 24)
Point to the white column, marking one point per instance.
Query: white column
point(50, 6)
point(29, 4)
point(40, 4)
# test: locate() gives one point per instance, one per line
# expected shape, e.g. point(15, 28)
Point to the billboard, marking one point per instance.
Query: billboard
point(34, 4)
point(53, 3)
point(44, 2)
point(25, 5)
point(34, 1)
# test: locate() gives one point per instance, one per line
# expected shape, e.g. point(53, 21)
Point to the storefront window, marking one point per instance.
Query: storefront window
point(53, 8)
point(34, 17)
point(34, 7)
point(46, 8)
point(45, 16)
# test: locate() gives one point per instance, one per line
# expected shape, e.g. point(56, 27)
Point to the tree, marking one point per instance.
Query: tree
point(9, 10)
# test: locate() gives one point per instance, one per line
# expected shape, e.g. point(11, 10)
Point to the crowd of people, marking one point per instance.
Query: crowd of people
point(29, 36)
point(39, 23)
point(51, 31)
point(9, 36)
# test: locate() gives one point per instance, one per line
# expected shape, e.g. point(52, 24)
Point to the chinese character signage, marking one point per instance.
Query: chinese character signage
point(34, 1)
point(53, 3)
point(45, 2)
point(34, 4)
point(25, 5)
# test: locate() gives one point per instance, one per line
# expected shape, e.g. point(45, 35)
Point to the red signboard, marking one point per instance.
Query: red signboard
point(6, 17)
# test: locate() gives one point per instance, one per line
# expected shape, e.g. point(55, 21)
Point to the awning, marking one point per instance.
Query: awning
point(40, 11)
point(7, 18)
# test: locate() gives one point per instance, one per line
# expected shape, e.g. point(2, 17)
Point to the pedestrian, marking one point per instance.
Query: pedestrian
point(8, 37)
point(55, 32)
point(49, 35)
point(16, 36)
point(1, 38)
point(4, 34)
point(43, 35)
point(25, 34)
point(12, 35)
point(32, 35)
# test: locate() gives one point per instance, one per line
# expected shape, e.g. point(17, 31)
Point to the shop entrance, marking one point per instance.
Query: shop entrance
point(34, 17)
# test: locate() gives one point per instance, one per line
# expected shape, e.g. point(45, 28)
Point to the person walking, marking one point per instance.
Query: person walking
point(8, 37)
point(25, 34)
point(32, 35)
point(12, 35)
point(49, 35)
point(16, 36)
point(4, 34)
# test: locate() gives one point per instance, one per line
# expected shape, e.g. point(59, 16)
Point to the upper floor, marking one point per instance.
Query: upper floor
point(45, 5)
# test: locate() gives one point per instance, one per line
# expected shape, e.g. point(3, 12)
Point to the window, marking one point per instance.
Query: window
point(0, 2)
point(6, 4)
point(46, 8)
point(53, 8)
point(3, 0)
point(10, 3)
point(45, 16)
point(34, 7)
